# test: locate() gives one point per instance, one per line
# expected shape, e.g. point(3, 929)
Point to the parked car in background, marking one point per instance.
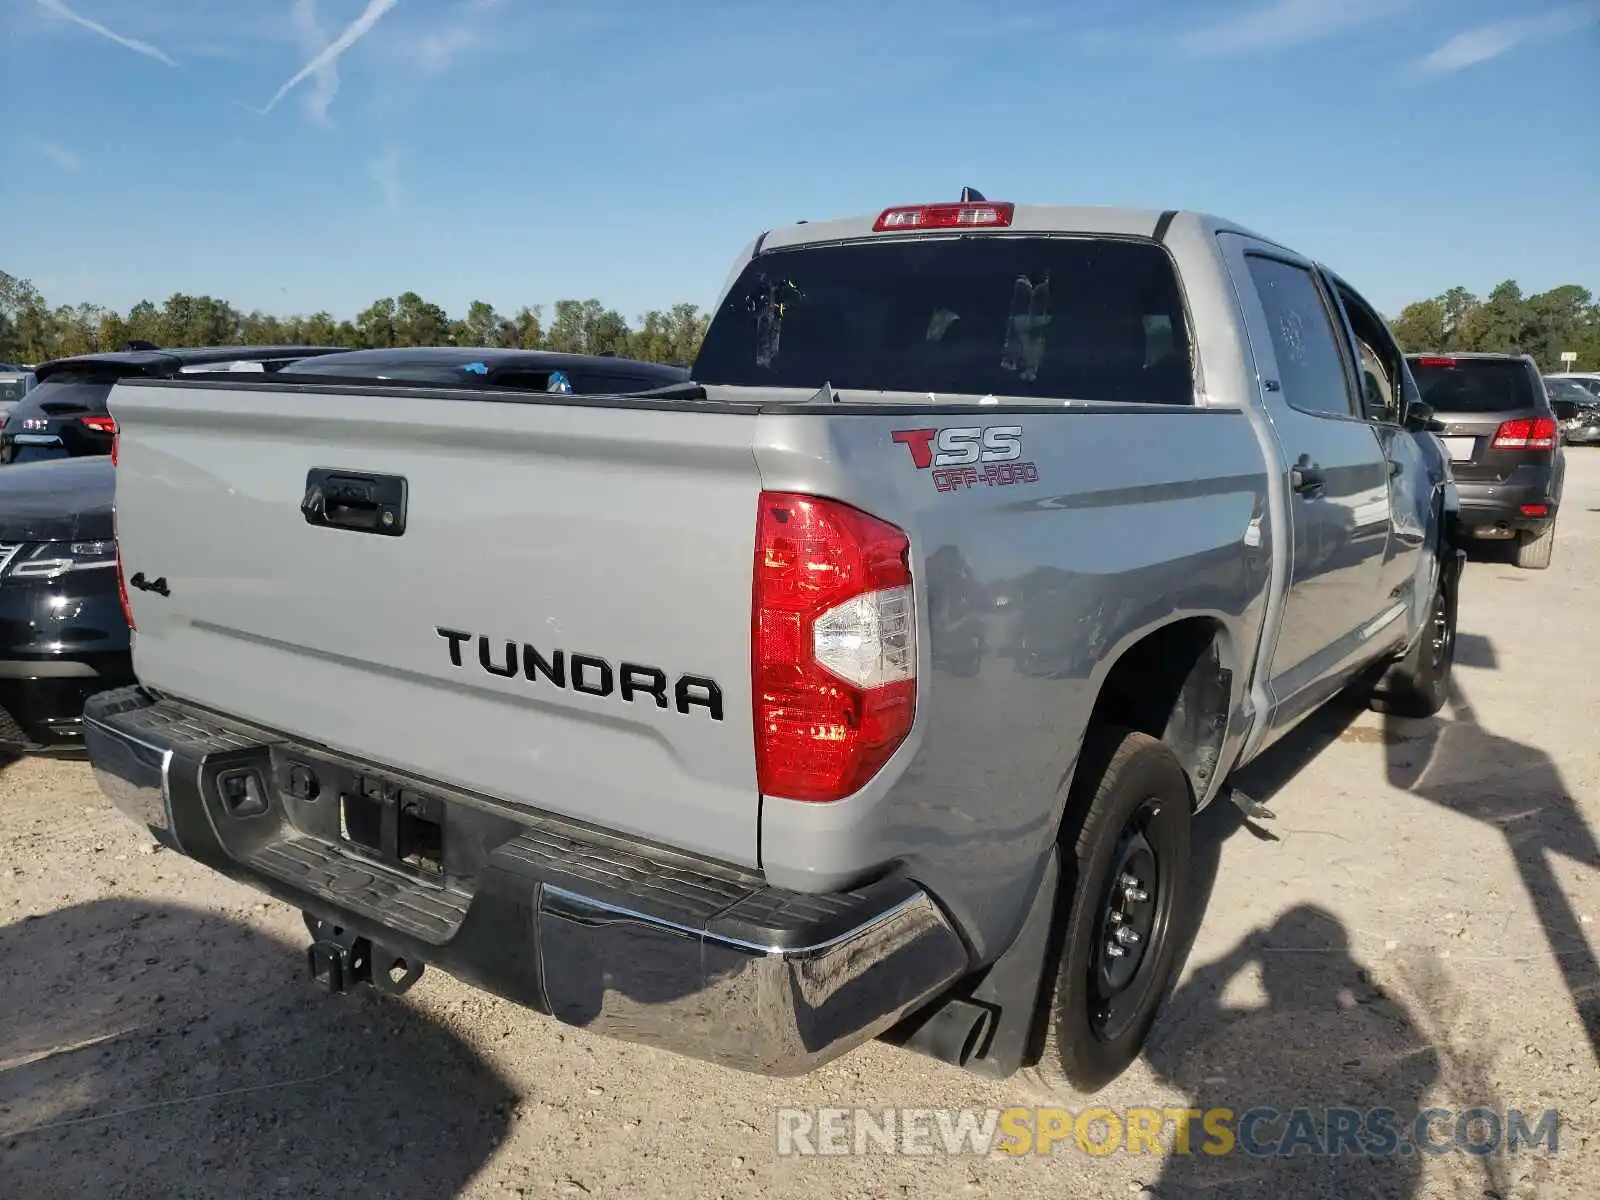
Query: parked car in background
point(15, 383)
point(1504, 445)
point(519, 370)
point(63, 635)
point(1577, 409)
point(64, 415)
point(700, 714)
point(1589, 381)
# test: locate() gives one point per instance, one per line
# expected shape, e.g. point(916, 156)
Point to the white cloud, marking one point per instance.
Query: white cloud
point(439, 51)
point(60, 155)
point(1484, 42)
point(60, 9)
point(325, 58)
point(1283, 23)
point(325, 79)
point(385, 172)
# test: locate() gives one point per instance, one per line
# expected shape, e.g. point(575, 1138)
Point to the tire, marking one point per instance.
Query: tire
point(1419, 684)
point(1128, 813)
point(1533, 553)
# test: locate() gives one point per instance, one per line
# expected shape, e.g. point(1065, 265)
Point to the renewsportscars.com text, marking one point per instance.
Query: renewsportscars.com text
point(1260, 1132)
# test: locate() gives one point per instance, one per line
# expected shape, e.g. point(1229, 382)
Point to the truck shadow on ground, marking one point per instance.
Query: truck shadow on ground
point(1328, 1034)
point(153, 1050)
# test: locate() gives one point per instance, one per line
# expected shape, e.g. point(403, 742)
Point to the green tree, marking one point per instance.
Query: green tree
point(375, 327)
point(113, 334)
point(74, 330)
point(143, 324)
point(524, 331)
point(652, 341)
point(566, 330)
point(1500, 325)
point(1421, 326)
point(482, 326)
point(419, 323)
point(1458, 304)
point(1557, 322)
point(689, 326)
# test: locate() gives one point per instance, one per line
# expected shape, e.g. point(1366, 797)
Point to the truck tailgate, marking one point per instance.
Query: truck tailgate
point(564, 622)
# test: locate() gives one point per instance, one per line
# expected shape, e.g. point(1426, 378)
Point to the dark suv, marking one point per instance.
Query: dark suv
point(1500, 431)
point(65, 415)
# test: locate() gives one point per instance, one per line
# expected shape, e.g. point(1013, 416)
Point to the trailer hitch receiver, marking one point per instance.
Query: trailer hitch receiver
point(340, 960)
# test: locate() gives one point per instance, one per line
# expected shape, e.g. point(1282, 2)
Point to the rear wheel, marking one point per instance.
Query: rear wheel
point(1534, 549)
point(1419, 684)
point(1125, 847)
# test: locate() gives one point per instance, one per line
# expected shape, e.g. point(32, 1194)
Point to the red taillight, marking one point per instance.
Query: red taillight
point(122, 592)
point(1525, 433)
point(100, 424)
point(122, 587)
point(1535, 510)
point(1434, 360)
point(833, 646)
point(973, 214)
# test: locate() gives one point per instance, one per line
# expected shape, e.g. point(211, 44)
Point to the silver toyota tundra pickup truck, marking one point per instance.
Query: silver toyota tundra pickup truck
point(864, 686)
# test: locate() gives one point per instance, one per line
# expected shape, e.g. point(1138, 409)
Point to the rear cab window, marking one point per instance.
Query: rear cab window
point(1475, 385)
point(1068, 317)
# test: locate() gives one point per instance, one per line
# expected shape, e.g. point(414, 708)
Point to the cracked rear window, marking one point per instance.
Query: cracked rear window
point(1059, 317)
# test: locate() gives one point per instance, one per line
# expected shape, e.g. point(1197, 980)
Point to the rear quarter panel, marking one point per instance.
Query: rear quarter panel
point(1027, 595)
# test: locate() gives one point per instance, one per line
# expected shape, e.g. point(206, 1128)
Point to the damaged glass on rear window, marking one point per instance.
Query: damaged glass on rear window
point(1069, 318)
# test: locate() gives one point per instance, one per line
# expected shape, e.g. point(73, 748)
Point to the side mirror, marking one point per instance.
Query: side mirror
point(1419, 418)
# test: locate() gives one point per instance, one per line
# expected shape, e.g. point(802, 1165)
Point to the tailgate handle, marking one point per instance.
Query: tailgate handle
point(355, 501)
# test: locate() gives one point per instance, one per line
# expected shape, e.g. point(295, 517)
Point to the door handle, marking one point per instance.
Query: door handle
point(1306, 480)
point(1394, 467)
point(355, 501)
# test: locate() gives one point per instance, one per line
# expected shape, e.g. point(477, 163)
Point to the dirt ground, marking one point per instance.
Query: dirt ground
point(1416, 927)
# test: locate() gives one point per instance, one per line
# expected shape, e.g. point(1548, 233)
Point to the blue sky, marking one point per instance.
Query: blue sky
point(295, 155)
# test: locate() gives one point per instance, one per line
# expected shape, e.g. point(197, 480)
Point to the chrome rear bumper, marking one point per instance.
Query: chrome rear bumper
point(631, 941)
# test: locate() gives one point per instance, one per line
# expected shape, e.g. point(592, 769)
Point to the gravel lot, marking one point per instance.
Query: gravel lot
point(1417, 927)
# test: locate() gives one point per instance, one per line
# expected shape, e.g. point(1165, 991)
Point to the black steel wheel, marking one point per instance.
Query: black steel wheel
point(1419, 684)
point(1126, 854)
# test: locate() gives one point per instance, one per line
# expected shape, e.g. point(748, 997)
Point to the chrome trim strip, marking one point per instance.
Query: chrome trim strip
point(864, 929)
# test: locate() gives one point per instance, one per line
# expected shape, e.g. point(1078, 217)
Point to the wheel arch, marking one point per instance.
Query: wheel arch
point(1177, 683)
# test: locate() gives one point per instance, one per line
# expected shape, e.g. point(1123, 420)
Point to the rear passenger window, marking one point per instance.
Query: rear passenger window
point(1310, 366)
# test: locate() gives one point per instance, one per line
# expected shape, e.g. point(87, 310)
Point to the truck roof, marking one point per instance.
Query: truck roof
point(1026, 218)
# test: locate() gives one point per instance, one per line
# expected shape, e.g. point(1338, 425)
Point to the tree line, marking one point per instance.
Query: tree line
point(1545, 325)
point(32, 331)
